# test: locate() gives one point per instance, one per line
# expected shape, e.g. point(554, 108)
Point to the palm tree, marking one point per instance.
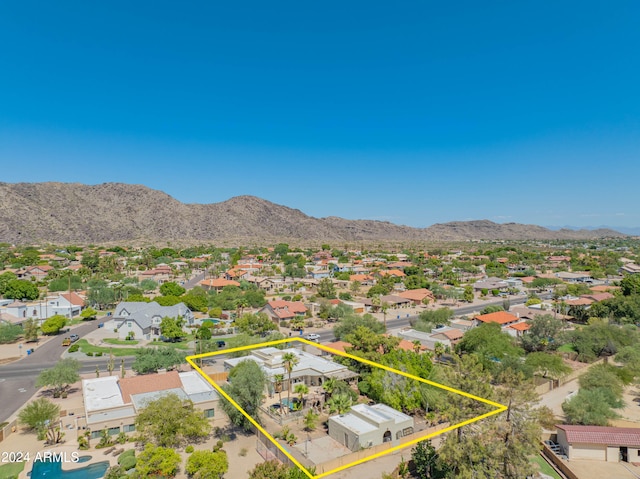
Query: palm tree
point(438, 349)
point(340, 403)
point(329, 386)
point(416, 346)
point(278, 380)
point(301, 389)
point(384, 306)
point(289, 361)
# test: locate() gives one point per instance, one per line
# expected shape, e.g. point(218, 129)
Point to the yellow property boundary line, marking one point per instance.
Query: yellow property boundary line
point(190, 359)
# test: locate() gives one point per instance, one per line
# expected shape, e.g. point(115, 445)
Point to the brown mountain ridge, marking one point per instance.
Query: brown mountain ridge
point(60, 213)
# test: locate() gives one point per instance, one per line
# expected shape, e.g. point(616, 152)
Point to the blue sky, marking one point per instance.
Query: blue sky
point(412, 112)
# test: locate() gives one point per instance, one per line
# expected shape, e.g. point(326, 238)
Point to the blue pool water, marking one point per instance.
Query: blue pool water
point(53, 470)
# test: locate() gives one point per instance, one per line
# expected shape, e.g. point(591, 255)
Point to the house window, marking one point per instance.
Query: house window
point(96, 434)
point(407, 430)
point(209, 412)
point(129, 324)
point(129, 427)
point(114, 431)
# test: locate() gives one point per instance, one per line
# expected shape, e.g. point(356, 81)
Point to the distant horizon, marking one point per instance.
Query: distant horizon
point(413, 112)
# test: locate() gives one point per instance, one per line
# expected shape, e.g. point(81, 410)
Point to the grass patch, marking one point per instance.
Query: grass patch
point(567, 348)
point(121, 342)
point(544, 467)
point(85, 347)
point(11, 470)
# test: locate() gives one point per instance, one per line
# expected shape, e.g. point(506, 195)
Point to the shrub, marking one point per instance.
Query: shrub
point(89, 353)
point(126, 454)
point(188, 449)
point(99, 353)
point(73, 348)
point(243, 452)
point(128, 463)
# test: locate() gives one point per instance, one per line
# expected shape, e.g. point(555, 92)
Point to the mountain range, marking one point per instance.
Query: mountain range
point(62, 213)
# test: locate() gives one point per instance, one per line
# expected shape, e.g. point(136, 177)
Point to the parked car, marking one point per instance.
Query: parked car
point(66, 342)
point(74, 338)
point(312, 337)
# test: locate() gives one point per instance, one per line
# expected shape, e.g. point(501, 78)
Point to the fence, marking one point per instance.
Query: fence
point(557, 462)
point(8, 429)
point(556, 383)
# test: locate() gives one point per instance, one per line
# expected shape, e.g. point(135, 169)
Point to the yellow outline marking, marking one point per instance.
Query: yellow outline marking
point(499, 407)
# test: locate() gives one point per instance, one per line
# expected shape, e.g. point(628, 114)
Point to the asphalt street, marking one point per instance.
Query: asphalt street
point(17, 380)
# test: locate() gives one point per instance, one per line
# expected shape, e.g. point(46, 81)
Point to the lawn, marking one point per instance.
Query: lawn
point(11, 470)
point(121, 342)
point(85, 347)
point(544, 467)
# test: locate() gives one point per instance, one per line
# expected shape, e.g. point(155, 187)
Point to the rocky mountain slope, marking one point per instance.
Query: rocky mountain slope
point(115, 212)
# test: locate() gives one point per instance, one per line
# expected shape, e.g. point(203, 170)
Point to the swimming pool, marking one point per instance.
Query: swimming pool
point(53, 470)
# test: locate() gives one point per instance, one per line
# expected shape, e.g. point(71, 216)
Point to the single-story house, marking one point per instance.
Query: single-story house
point(611, 444)
point(311, 370)
point(217, 284)
point(417, 296)
point(490, 284)
point(112, 403)
point(366, 426)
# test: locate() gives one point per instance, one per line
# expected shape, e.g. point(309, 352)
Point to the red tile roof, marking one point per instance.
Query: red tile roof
point(339, 345)
point(610, 436)
point(218, 282)
point(598, 296)
point(148, 383)
point(520, 326)
point(416, 294)
point(500, 317)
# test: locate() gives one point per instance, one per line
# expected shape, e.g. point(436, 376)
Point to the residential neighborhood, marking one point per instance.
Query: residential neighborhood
point(560, 316)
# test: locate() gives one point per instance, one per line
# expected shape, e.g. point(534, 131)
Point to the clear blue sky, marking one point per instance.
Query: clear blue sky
point(413, 112)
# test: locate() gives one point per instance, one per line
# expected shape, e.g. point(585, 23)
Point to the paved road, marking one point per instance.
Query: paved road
point(17, 380)
point(194, 281)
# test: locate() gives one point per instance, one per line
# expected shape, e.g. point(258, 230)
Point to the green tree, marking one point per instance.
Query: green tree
point(157, 462)
point(59, 377)
point(492, 308)
point(255, 324)
point(349, 324)
point(89, 313)
point(151, 359)
point(426, 462)
point(21, 289)
point(427, 320)
point(9, 332)
point(326, 289)
point(38, 414)
point(170, 422)
point(468, 294)
point(171, 328)
point(171, 288)
point(54, 324)
point(547, 365)
point(543, 334)
point(246, 387)
point(310, 420)
point(207, 464)
point(5, 278)
point(30, 327)
point(490, 344)
point(591, 407)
